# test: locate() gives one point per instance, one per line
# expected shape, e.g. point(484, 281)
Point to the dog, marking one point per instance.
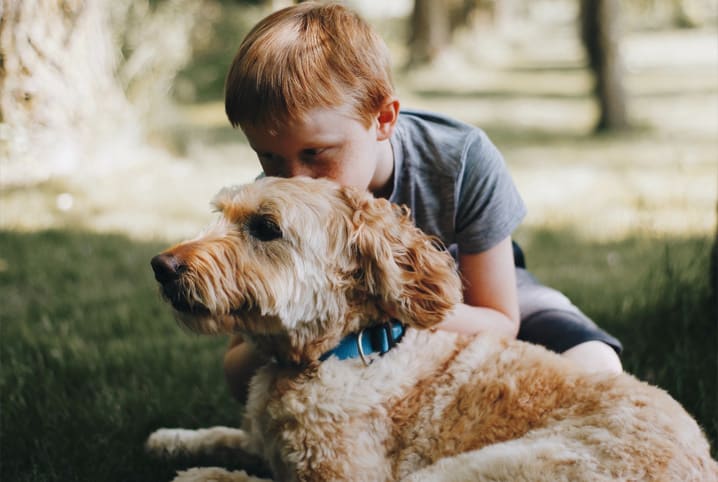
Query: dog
point(344, 292)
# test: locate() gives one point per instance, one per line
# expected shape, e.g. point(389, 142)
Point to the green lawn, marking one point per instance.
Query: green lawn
point(92, 361)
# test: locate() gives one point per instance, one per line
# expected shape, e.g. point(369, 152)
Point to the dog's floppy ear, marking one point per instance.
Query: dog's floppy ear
point(414, 279)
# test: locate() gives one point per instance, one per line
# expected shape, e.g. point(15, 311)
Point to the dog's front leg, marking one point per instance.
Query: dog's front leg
point(206, 441)
point(215, 474)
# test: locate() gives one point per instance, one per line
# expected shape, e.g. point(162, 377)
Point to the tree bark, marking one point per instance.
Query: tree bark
point(430, 31)
point(57, 86)
point(79, 79)
point(600, 32)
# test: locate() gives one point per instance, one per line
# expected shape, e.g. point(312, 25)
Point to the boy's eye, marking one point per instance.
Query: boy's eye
point(312, 153)
point(264, 228)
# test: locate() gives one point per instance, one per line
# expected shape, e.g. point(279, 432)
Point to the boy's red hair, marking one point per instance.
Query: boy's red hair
point(307, 56)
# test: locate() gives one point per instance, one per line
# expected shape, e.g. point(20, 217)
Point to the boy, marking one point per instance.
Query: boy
point(310, 87)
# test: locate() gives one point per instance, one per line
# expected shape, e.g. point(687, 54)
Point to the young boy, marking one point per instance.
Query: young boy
point(311, 89)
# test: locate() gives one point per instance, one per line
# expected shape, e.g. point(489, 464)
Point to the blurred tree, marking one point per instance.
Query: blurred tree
point(432, 24)
point(600, 33)
point(460, 11)
point(80, 79)
point(58, 88)
point(429, 30)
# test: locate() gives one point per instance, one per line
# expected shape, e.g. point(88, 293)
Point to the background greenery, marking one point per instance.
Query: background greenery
point(96, 362)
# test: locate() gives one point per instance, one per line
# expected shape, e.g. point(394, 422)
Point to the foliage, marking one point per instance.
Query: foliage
point(91, 360)
point(221, 27)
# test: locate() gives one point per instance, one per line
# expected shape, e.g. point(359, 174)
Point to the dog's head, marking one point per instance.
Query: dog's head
point(296, 264)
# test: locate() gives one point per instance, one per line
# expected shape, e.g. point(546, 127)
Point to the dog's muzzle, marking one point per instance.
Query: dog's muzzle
point(167, 268)
point(168, 273)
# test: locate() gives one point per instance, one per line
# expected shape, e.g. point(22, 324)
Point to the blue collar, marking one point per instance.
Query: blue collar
point(373, 339)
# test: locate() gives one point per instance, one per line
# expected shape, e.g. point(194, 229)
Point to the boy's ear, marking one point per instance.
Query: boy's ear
point(386, 119)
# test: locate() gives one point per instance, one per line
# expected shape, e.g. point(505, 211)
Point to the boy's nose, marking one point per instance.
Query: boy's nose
point(297, 168)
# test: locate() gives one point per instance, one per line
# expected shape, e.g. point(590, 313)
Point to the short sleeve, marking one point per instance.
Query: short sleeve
point(489, 207)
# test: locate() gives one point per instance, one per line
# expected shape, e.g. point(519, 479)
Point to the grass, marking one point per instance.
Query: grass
point(92, 362)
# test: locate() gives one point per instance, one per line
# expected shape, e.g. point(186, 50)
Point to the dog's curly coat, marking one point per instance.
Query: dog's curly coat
point(294, 265)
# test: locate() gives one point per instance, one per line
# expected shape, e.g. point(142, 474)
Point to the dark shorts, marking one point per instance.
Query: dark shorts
point(548, 318)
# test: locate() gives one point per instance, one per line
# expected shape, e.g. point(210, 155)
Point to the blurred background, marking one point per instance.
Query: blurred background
point(112, 113)
point(113, 139)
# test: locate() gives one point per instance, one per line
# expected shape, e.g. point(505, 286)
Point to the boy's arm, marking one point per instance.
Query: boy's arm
point(490, 298)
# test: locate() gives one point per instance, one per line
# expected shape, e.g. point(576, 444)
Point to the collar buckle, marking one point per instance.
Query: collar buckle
point(381, 339)
point(360, 348)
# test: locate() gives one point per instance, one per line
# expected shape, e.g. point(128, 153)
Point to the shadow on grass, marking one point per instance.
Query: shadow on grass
point(452, 93)
point(500, 133)
point(503, 94)
point(92, 362)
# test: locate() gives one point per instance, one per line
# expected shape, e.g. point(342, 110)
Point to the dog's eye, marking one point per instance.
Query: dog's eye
point(264, 228)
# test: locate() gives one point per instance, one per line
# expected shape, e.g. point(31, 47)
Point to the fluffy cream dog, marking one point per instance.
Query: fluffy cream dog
point(298, 265)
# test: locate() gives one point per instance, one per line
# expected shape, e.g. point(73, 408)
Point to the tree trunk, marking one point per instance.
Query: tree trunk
point(430, 31)
point(78, 77)
point(600, 33)
point(58, 91)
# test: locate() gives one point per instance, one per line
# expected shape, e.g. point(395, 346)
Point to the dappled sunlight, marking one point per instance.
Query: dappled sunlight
point(528, 89)
point(161, 198)
point(602, 202)
point(661, 178)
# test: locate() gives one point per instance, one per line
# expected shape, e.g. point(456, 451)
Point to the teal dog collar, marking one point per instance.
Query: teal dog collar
point(373, 339)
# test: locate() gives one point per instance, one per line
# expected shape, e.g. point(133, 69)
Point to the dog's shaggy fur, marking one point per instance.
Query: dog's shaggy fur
point(294, 265)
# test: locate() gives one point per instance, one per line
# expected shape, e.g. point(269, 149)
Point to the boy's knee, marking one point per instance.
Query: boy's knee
point(595, 356)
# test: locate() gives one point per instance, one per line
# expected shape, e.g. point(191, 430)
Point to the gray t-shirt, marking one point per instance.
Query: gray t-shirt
point(458, 188)
point(454, 180)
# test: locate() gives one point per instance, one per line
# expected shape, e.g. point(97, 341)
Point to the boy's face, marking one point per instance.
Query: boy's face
point(328, 143)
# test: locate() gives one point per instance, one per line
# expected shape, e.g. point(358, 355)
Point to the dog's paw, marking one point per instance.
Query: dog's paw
point(167, 442)
point(215, 474)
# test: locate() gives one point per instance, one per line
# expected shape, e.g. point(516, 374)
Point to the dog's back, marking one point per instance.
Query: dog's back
point(439, 395)
point(522, 399)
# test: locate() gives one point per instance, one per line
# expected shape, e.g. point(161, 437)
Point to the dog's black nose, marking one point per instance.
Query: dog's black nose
point(167, 267)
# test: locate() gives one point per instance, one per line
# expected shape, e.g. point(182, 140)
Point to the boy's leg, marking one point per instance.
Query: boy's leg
point(241, 362)
point(595, 356)
point(549, 318)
